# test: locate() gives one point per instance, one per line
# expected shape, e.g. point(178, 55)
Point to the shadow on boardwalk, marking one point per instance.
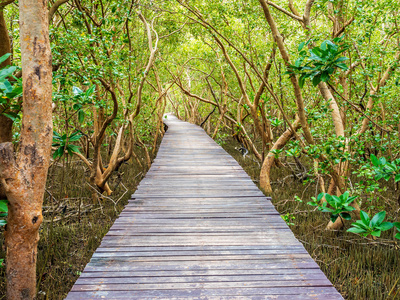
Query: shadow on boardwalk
point(199, 228)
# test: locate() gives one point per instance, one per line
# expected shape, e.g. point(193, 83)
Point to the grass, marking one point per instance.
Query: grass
point(358, 267)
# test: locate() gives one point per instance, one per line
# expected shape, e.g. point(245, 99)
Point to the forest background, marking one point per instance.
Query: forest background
point(307, 91)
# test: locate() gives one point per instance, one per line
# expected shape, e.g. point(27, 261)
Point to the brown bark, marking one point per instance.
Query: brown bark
point(265, 179)
point(55, 7)
point(24, 178)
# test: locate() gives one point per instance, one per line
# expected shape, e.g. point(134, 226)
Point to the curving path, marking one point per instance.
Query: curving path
point(199, 228)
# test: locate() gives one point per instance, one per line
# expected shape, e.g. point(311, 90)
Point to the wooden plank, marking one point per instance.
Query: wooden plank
point(113, 295)
point(199, 228)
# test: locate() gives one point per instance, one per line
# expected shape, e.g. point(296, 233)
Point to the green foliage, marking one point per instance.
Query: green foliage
point(320, 62)
point(339, 206)
point(294, 152)
point(397, 226)
point(384, 169)
point(276, 122)
point(288, 218)
point(3, 212)
point(82, 98)
point(276, 152)
point(8, 90)
point(63, 144)
point(366, 226)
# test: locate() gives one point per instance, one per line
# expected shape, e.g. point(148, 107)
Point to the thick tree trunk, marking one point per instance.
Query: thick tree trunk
point(24, 178)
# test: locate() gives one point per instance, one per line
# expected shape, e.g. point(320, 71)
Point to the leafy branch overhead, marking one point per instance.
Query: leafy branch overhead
point(320, 62)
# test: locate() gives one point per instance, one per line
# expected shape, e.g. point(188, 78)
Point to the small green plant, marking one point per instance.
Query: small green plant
point(366, 226)
point(288, 218)
point(320, 62)
point(63, 144)
point(276, 122)
point(276, 152)
point(294, 152)
point(339, 206)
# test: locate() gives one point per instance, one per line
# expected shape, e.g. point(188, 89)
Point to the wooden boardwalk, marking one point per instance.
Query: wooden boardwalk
point(199, 228)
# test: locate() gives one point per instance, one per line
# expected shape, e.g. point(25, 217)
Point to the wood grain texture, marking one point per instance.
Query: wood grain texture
point(198, 228)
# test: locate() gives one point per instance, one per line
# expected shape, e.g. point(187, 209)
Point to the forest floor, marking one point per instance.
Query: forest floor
point(74, 223)
point(358, 267)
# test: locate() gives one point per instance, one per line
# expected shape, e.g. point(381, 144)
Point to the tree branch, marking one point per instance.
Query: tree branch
point(55, 7)
point(298, 18)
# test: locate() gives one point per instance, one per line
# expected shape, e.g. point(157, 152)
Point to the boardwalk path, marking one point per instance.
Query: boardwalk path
point(199, 228)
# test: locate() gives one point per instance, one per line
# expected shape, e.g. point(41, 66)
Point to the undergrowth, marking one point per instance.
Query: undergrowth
point(75, 223)
point(359, 268)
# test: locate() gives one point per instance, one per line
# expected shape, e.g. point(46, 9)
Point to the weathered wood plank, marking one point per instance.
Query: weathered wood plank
point(305, 292)
point(199, 228)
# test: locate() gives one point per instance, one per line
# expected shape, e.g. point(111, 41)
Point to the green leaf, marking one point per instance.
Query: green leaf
point(75, 136)
point(325, 77)
point(356, 230)
point(397, 225)
point(376, 233)
point(375, 160)
point(3, 206)
point(72, 148)
point(340, 59)
point(364, 217)
point(4, 57)
point(397, 178)
point(320, 196)
point(302, 79)
point(334, 217)
point(342, 66)
point(58, 153)
point(323, 46)
point(328, 198)
point(77, 106)
point(377, 219)
point(81, 116)
point(301, 46)
point(3, 223)
point(345, 216)
point(385, 226)
point(90, 91)
point(316, 80)
point(11, 115)
point(397, 236)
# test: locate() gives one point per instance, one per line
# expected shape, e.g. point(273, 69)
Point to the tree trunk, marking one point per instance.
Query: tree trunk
point(265, 180)
point(24, 178)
